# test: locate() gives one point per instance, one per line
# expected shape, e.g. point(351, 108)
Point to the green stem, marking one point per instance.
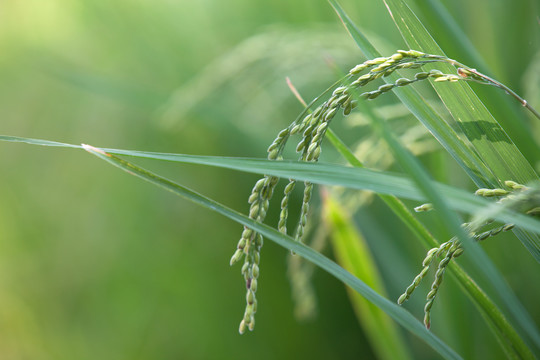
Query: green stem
point(488, 80)
point(506, 334)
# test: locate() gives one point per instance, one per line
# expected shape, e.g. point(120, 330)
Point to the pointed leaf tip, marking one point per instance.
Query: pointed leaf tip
point(92, 149)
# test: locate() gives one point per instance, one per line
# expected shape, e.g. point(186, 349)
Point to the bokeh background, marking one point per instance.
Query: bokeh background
point(95, 264)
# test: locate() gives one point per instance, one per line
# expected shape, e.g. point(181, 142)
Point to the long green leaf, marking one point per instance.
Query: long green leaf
point(397, 313)
point(324, 174)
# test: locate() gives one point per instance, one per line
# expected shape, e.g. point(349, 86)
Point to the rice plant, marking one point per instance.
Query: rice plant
point(506, 198)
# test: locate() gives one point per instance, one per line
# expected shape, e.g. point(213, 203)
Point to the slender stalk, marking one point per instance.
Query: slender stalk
point(489, 80)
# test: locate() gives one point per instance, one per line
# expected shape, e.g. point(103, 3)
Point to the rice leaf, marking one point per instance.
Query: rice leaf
point(326, 174)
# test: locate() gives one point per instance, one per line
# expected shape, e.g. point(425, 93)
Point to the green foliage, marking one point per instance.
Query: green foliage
point(228, 108)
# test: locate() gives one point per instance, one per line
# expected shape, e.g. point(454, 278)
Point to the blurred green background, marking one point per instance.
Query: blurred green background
point(95, 264)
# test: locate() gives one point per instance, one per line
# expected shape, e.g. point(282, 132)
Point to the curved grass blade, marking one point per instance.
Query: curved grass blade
point(325, 174)
point(397, 313)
